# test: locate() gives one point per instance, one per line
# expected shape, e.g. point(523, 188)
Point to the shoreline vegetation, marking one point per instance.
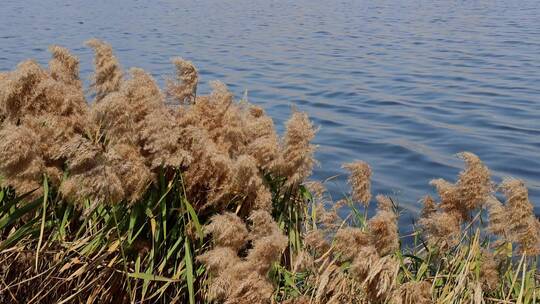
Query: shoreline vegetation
point(126, 199)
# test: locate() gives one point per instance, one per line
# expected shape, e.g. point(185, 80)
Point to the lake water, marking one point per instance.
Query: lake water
point(403, 85)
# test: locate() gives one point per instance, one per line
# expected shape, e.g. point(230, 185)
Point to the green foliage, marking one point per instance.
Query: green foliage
point(150, 250)
point(152, 244)
point(456, 275)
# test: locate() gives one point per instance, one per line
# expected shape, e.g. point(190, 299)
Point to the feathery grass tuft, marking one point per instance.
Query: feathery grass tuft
point(133, 198)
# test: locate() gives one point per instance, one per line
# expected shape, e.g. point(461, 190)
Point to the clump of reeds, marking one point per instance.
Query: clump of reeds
point(242, 279)
point(112, 149)
point(147, 195)
point(458, 257)
point(130, 148)
point(515, 220)
point(442, 222)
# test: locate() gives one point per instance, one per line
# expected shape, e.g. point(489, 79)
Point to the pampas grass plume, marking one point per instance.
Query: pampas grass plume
point(298, 161)
point(227, 230)
point(108, 74)
point(360, 181)
point(64, 66)
point(523, 226)
point(383, 227)
point(184, 89)
point(347, 241)
point(413, 292)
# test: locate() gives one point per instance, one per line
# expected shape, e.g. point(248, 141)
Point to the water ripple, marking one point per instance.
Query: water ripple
point(403, 85)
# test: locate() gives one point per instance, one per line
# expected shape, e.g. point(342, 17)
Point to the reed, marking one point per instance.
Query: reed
point(144, 195)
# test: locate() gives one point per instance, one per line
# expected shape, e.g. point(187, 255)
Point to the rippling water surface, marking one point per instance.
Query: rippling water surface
point(403, 85)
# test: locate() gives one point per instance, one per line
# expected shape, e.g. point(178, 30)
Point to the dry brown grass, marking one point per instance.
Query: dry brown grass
point(167, 196)
point(237, 279)
point(114, 147)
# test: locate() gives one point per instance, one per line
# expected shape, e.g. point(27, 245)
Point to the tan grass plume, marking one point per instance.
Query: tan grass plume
point(108, 74)
point(360, 181)
point(184, 88)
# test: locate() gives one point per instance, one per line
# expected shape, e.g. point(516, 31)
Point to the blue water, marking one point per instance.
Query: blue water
point(403, 85)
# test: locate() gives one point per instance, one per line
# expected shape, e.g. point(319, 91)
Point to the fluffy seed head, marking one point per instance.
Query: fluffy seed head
point(474, 182)
point(129, 166)
point(64, 66)
point(498, 217)
point(243, 280)
point(470, 191)
point(360, 181)
point(265, 251)
point(376, 273)
point(413, 292)
point(184, 89)
point(297, 157)
point(17, 90)
point(219, 259)
point(429, 207)
point(108, 74)
point(21, 165)
point(99, 184)
point(383, 227)
point(347, 241)
point(18, 147)
point(227, 230)
point(442, 229)
point(316, 242)
point(262, 225)
point(523, 227)
point(317, 189)
point(489, 272)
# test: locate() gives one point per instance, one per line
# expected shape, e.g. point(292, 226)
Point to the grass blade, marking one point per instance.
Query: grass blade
point(43, 215)
point(189, 272)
